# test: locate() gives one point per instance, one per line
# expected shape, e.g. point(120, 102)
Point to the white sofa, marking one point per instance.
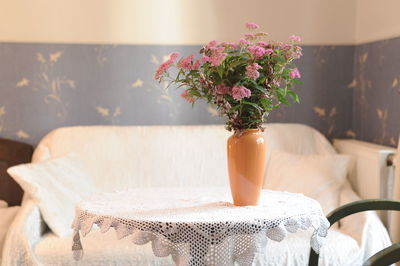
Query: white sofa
point(119, 158)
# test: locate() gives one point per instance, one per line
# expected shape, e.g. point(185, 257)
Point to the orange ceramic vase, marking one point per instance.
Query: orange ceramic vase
point(246, 166)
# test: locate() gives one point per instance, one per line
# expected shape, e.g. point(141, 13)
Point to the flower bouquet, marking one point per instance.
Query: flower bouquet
point(245, 80)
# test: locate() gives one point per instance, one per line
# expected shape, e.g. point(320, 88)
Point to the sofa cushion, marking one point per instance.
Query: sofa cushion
point(7, 216)
point(166, 156)
point(56, 186)
point(317, 176)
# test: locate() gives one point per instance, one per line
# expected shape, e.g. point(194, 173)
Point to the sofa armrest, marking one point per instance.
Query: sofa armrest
point(25, 231)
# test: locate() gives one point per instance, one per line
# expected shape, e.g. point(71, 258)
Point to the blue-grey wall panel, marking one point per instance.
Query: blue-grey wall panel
point(45, 86)
point(377, 92)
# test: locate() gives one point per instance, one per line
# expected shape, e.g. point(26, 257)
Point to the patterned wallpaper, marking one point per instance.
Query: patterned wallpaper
point(377, 92)
point(45, 86)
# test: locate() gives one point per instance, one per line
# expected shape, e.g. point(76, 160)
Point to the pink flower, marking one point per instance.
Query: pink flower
point(240, 92)
point(297, 52)
point(223, 89)
point(251, 71)
point(294, 73)
point(217, 60)
point(284, 46)
point(261, 43)
point(243, 42)
point(295, 38)
point(164, 66)
point(251, 26)
point(230, 45)
point(212, 44)
point(173, 56)
point(217, 55)
point(277, 83)
point(188, 97)
point(196, 65)
point(256, 51)
point(269, 51)
point(249, 36)
point(205, 59)
point(186, 63)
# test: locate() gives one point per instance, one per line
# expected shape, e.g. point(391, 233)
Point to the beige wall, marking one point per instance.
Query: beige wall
point(173, 21)
point(196, 21)
point(377, 20)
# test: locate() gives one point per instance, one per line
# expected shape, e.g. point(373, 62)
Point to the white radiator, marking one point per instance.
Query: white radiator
point(395, 218)
point(370, 175)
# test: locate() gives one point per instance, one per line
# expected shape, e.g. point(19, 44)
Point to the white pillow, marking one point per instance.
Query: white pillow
point(317, 176)
point(7, 216)
point(56, 186)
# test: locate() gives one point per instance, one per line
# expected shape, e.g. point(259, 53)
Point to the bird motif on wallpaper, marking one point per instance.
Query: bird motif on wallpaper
point(101, 56)
point(363, 83)
point(167, 98)
point(22, 134)
point(103, 111)
point(212, 111)
point(24, 82)
point(154, 60)
point(352, 84)
point(138, 83)
point(2, 114)
point(166, 57)
point(108, 115)
point(50, 82)
point(328, 117)
point(322, 53)
point(55, 56)
point(47, 81)
point(395, 82)
point(363, 58)
point(383, 118)
point(40, 58)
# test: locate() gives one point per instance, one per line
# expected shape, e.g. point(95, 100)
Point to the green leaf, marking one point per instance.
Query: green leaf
point(286, 71)
point(195, 92)
point(281, 95)
point(256, 86)
point(253, 105)
point(294, 96)
point(262, 80)
point(220, 72)
point(234, 108)
point(262, 89)
point(266, 104)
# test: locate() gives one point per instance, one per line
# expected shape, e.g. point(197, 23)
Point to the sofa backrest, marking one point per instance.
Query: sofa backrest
point(121, 157)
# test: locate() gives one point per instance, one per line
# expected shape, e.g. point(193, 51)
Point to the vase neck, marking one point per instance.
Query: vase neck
point(246, 131)
point(252, 130)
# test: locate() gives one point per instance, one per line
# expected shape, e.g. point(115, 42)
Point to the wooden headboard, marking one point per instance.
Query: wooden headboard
point(12, 153)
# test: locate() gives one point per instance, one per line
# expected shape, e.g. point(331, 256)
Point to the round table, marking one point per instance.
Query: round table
point(200, 226)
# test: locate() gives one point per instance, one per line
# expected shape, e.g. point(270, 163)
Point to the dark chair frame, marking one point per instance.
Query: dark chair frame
point(386, 256)
point(12, 153)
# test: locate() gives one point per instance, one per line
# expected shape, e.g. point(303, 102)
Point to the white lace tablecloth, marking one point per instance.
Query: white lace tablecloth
point(200, 226)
